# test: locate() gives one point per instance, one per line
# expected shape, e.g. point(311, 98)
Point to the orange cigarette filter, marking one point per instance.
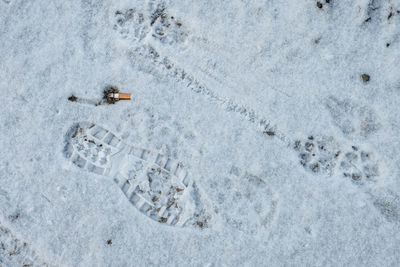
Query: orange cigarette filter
point(120, 96)
point(125, 96)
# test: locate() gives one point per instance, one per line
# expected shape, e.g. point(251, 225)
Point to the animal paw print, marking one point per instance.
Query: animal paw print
point(317, 154)
point(201, 219)
point(359, 165)
point(165, 28)
point(134, 25)
point(247, 203)
point(131, 24)
point(352, 119)
point(389, 206)
point(381, 11)
point(15, 252)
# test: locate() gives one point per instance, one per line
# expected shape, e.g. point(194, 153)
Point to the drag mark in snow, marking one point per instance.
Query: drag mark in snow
point(149, 60)
point(158, 186)
point(85, 101)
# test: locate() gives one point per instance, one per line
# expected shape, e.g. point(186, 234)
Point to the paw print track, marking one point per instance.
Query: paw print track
point(352, 119)
point(201, 217)
point(372, 8)
point(379, 11)
point(321, 155)
point(389, 206)
point(246, 203)
point(156, 185)
point(317, 154)
point(359, 165)
point(14, 252)
point(135, 26)
point(166, 28)
point(131, 24)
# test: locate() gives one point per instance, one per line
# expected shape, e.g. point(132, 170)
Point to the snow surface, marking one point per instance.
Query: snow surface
point(292, 157)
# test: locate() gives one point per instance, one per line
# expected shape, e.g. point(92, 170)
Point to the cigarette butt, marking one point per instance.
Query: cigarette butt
point(125, 96)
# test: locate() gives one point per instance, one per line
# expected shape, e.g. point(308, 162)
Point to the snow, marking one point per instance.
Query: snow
point(291, 158)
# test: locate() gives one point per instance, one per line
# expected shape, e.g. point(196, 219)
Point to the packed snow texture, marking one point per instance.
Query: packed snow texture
point(260, 133)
